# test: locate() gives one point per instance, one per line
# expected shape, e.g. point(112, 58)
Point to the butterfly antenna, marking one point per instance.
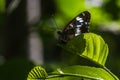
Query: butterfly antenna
point(58, 31)
point(53, 19)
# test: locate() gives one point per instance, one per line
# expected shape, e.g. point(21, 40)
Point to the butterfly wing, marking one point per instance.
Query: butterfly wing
point(83, 20)
point(80, 24)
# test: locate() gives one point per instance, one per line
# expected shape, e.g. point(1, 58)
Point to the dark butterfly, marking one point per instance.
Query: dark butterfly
point(80, 24)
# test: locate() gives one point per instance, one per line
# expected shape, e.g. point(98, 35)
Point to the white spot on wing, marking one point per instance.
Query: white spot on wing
point(79, 19)
point(79, 26)
point(83, 14)
point(78, 31)
point(71, 25)
point(86, 23)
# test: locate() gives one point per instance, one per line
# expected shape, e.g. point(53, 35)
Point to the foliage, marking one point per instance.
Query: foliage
point(37, 73)
point(105, 20)
point(92, 48)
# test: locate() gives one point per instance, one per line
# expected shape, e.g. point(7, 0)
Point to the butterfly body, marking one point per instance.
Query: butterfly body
point(80, 24)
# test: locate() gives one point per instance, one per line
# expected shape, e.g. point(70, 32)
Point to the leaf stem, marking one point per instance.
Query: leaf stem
point(76, 75)
point(110, 73)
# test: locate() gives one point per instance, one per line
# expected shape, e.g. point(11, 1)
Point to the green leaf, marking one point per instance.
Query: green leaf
point(90, 46)
point(80, 73)
point(37, 73)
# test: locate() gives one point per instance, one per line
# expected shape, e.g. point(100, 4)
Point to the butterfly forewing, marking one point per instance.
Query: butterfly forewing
point(80, 24)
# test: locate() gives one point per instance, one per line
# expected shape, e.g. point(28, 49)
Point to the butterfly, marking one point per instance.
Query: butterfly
point(78, 25)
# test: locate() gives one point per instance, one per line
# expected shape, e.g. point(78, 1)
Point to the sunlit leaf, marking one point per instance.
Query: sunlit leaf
point(90, 46)
point(37, 73)
point(81, 73)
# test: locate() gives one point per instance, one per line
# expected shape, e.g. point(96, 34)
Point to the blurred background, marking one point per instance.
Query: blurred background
point(28, 32)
